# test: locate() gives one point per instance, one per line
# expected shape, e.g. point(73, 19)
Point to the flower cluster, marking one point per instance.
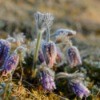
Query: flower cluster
point(8, 60)
point(48, 53)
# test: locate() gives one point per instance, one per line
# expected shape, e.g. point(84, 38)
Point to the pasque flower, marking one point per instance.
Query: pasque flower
point(12, 61)
point(5, 46)
point(73, 56)
point(43, 20)
point(50, 53)
point(79, 89)
point(47, 80)
point(75, 82)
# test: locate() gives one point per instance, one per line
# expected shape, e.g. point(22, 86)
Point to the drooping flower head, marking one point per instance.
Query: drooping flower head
point(47, 80)
point(62, 35)
point(65, 32)
point(5, 46)
point(75, 82)
point(79, 89)
point(50, 53)
point(73, 56)
point(11, 62)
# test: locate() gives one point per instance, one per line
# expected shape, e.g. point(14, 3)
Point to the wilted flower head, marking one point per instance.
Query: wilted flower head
point(79, 89)
point(47, 80)
point(75, 82)
point(43, 20)
point(12, 60)
point(50, 53)
point(73, 56)
point(10, 64)
point(5, 47)
point(65, 32)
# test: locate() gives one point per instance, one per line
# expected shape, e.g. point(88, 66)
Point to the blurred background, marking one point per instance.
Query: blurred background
point(80, 15)
point(83, 16)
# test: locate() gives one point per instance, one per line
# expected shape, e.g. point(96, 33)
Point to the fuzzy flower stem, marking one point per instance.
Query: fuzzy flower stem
point(48, 34)
point(37, 48)
point(78, 76)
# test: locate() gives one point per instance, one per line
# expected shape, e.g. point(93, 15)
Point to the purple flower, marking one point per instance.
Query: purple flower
point(79, 89)
point(50, 53)
point(47, 81)
point(10, 63)
point(73, 56)
point(5, 47)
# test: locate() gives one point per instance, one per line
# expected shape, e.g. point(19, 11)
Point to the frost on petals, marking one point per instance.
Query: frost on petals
point(10, 64)
point(79, 89)
point(50, 53)
point(73, 56)
point(47, 81)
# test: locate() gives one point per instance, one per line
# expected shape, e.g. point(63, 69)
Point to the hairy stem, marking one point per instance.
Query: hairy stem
point(37, 48)
point(48, 35)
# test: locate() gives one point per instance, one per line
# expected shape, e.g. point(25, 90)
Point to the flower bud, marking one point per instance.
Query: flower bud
point(5, 47)
point(47, 81)
point(50, 53)
point(10, 63)
point(73, 56)
point(79, 89)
